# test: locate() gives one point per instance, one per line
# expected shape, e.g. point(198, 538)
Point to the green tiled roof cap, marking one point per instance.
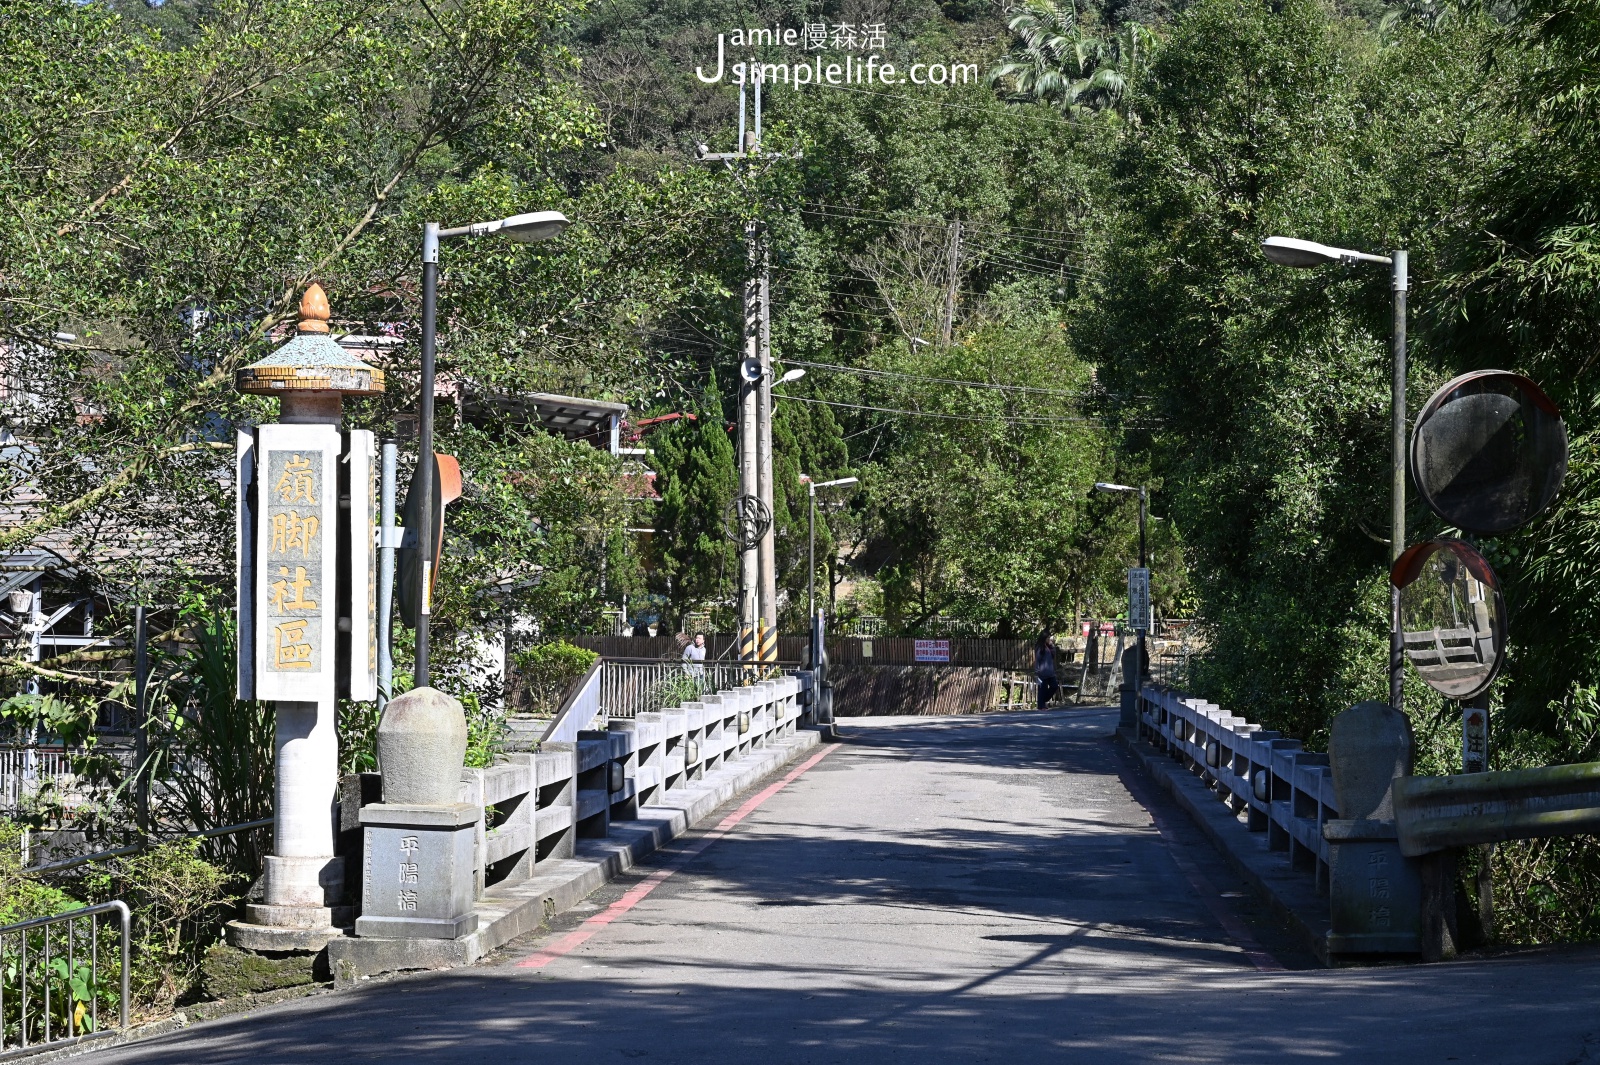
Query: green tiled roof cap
point(312, 361)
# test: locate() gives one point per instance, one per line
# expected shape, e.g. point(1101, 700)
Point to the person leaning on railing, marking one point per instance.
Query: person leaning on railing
point(694, 658)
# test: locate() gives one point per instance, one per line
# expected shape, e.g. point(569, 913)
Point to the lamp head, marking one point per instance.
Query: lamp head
point(1107, 486)
point(791, 375)
point(539, 225)
point(1290, 251)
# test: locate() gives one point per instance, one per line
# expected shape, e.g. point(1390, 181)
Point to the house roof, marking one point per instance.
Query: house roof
point(568, 416)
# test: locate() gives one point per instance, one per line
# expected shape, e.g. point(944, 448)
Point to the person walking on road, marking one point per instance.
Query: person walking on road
point(1044, 668)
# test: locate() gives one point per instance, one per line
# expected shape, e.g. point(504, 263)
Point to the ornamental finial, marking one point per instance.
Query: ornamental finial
point(314, 312)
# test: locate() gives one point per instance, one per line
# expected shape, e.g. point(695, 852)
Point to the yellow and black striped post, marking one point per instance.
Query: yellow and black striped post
point(747, 652)
point(769, 645)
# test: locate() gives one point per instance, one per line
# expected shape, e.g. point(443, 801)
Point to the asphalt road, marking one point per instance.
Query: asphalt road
point(934, 889)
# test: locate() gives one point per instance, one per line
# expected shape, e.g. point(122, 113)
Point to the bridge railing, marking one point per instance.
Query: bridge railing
point(1280, 788)
point(536, 805)
point(629, 686)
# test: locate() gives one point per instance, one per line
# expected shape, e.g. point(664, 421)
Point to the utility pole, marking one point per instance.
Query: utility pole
point(758, 591)
point(766, 557)
point(952, 276)
point(749, 478)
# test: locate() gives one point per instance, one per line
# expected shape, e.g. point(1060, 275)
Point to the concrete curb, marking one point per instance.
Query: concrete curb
point(197, 1013)
point(506, 913)
point(1291, 892)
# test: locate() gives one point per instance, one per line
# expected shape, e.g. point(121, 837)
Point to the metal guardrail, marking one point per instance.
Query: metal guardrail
point(146, 844)
point(1435, 813)
point(1283, 790)
point(28, 770)
point(65, 991)
point(630, 688)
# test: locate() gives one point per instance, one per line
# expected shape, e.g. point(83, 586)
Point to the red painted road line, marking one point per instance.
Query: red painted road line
point(636, 894)
point(1236, 929)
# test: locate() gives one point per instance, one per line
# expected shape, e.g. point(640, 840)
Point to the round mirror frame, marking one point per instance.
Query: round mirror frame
point(1530, 392)
point(1409, 567)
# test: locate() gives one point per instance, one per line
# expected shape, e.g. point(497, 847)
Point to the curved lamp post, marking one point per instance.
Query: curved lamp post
point(811, 523)
point(1304, 254)
point(525, 229)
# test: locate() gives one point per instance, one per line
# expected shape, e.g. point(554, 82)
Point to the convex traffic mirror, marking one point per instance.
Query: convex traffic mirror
point(1489, 452)
point(1452, 615)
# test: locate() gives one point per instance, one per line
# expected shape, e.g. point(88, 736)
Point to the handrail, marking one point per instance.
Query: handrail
point(145, 844)
point(21, 928)
point(1433, 813)
point(585, 694)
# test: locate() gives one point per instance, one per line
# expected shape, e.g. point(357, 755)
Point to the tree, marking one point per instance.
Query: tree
point(697, 565)
point(1269, 387)
point(1062, 64)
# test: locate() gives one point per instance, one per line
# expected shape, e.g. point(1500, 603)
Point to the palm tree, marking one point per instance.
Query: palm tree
point(1059, 63)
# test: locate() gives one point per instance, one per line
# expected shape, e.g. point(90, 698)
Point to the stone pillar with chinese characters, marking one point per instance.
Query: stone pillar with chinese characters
point(305, 619)
point(1375, 892)
point(420, 876)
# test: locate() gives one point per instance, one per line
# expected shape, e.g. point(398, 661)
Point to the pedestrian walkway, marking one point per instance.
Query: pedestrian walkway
point(932, 889)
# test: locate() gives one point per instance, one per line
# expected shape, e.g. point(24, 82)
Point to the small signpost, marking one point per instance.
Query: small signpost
point(1139, 599)
point(931, 651)
point(1474, 739)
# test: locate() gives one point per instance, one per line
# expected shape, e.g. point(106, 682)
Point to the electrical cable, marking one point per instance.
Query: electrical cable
point(958, 107)
point(1012, 419)
point(992, 386)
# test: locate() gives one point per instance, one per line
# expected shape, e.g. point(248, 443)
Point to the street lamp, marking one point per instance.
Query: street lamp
point(792, 375)
point(523, 228)
point(805, 479)
point(1287, 251)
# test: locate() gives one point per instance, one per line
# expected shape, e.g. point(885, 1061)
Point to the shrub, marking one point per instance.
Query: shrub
point(23, 897)
point(179, 901)
point(545, 671)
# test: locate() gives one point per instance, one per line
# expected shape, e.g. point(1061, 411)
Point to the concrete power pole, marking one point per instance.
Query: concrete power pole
point(952, 277)
point(766, 557)
point(758, 595)
point(749, 448)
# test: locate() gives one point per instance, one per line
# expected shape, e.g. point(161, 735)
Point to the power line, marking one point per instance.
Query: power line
point(1045, 236)
point(868, 372)
point(957, 107)
point(1025, 419)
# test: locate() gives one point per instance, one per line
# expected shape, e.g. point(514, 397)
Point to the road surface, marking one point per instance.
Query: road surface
point(964, 889)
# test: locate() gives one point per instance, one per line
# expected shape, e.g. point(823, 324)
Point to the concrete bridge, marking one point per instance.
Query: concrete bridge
point(996, 888)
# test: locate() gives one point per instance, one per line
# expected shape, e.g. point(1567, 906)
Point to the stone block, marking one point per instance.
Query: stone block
point(1376, 893)
point(227, 972)
point(1368, 746)
point(420, 877)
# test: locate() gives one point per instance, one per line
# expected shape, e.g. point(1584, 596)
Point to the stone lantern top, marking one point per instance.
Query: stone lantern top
point(312, 362)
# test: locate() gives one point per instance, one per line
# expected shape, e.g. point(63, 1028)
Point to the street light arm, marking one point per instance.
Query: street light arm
point(534, 225)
